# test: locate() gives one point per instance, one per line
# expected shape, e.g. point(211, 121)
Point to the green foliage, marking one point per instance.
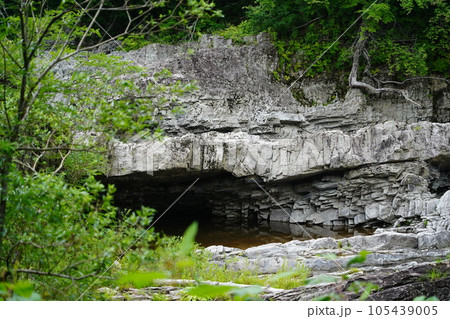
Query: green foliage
point(237, 33)
point(409, 38)
point(364, 289)
point(247, 294)
point(424, 298)
point(141, 279)
point(19, 291)
point(160, 297)
point(359, 259)
point(61, 103)
point(79, 166)
point(188, 241)
point(134, 42)
point(287, 278)
point(170, 254)
point(55, 228)
point(401, 60)
point(173, 22)
point(208, 291)
point(328, 297)
point(436, 274)
point(181, 258)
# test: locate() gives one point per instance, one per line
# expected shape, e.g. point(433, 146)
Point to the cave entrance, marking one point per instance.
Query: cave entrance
point(221, 204)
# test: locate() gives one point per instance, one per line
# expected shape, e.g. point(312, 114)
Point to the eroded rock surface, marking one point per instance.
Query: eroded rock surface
point(386, 249)
point(392, 284)
point(327, 158)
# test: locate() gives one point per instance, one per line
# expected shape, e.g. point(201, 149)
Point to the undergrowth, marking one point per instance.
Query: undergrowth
point(166, 258)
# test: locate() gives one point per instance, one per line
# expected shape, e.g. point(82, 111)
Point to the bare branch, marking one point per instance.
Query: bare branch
point(89, 28)
point(46, 30)
point(60, 148)
point(26, 165)
point(418, 78)
point(10, 55)
point(309, 22)
point(80, 263)
point(73, 278)
point(61, 164)
point(43, 246)
point(43, 152)
point(358, 51)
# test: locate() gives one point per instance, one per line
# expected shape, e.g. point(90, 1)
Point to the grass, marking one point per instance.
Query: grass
point(435, 274)
point(166, 258)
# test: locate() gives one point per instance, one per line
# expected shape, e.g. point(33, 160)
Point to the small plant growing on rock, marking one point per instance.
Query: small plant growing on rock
point(287, 278)
point(436, 274)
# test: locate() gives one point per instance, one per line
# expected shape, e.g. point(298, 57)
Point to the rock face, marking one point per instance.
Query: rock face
point(258, 152)
point(388, 249)
point(392, 284)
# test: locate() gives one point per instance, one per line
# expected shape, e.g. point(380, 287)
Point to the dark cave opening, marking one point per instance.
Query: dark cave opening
point(439, 175)
point(204, 202)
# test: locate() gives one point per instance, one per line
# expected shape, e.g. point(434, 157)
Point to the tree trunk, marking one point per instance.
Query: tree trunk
point(4, 172)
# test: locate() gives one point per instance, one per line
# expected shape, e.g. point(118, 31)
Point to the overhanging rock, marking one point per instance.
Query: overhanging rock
point(242, 154)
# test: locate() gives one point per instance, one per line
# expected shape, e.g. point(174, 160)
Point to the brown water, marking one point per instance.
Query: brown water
point(214, 232)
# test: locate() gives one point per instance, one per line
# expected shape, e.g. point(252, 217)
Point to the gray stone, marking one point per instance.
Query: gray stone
point(359, 219)
point(427, 241)
point(280, 215)
point(323, 243)
point(443, 207)
point(298, 216)
point(382, 241)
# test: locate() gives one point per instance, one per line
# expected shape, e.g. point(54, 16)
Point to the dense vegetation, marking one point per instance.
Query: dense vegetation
point(405, 37)
point(58, 225)
point(60, 102)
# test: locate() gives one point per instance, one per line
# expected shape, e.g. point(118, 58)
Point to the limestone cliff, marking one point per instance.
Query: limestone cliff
point(323, 158)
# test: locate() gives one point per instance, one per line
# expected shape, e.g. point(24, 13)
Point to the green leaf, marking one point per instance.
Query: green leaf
point(187, 244)
point(140, 280)
point(247, 293)
point(424, 298)
point(208, 291)
point(283, 275)
point(367, 291)
point(23, 289)
point(33, 297)
point(359, 259)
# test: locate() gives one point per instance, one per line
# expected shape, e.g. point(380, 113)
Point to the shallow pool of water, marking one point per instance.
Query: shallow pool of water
point(250, 234)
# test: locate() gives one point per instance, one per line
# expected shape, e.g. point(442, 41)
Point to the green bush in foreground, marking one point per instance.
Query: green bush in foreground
point(182, 258)
point(65, 238)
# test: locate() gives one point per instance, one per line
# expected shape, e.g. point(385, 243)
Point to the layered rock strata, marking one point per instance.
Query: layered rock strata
point(327, 158)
